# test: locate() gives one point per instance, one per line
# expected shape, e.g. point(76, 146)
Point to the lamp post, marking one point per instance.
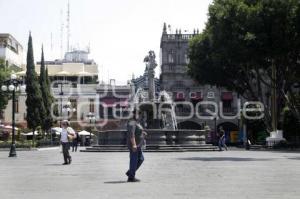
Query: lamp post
point(91, 117)
point(13, 85)
point(67, 108)
point(61, 99)
point(215, 124)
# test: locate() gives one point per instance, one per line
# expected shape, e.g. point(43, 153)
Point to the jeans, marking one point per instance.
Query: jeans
point(136, 160)
point(222, 143)
point(74, 145)
point(66, 147)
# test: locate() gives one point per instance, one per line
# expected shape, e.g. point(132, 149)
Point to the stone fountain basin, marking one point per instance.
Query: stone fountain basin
point(155, 137)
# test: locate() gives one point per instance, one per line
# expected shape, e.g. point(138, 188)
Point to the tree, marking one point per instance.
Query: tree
point(34, 101)
point(241, 42)
point(46, 94)
point(291, 125)
point(4, 75)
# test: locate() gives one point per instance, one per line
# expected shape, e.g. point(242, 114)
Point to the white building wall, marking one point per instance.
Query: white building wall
point(11, 56)
point(82, 94)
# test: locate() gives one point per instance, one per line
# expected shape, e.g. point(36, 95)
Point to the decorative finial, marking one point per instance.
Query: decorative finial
point(165, 28)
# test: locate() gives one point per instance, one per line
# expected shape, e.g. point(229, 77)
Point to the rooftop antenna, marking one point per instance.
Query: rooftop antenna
point(51, 42)
point(89, 47)
point(68, 27)
point(61, 34)
point(102, 73)
point(107, 76)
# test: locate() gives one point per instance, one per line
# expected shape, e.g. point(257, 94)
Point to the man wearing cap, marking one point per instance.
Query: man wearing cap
point(66, 134)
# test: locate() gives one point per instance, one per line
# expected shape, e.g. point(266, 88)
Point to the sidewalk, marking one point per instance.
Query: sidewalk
point(227, 174)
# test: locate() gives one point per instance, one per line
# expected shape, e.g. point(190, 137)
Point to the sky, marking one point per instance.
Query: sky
point(119, 32)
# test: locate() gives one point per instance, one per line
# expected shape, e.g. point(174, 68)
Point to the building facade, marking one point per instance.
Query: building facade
point(73, 83)
point(11, 51)
point(175, 80)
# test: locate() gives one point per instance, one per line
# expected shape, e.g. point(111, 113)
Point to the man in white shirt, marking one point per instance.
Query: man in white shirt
point(64, 140)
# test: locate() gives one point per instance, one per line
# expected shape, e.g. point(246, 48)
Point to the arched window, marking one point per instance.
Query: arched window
point(171, 56)
point(186, 58)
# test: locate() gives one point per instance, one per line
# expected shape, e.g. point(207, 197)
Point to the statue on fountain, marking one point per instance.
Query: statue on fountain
point(150, 66)
point(150, 61)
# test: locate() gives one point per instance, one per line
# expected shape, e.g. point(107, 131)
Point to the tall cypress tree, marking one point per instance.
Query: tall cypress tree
point(48, 82)
point(34, 101)
point(53, 109)
point(46, 94)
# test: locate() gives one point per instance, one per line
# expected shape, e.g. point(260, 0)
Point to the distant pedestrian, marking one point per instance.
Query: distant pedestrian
point(222, 139)
point(135, 141)
point(75, 142)
point(66, 136)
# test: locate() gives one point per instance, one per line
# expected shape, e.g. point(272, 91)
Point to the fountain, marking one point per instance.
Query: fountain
point(158, 117)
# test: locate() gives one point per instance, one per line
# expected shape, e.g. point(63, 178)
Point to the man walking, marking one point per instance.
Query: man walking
point(135, 141)
point(66, 134)
point(75, 142)
point(222, 139)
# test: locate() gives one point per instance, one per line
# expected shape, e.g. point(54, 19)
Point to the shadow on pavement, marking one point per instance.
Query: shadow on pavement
point(294, 158)
point(115, 182)
point(224, 159)
point(54, 164)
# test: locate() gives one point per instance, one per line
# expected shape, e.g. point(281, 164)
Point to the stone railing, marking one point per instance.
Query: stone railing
point(178, 36)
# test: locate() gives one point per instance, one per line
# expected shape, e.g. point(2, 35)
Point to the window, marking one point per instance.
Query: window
point(227, 106)
point(179, 84)
point(210, 95)
point(227, 98)
point(170, 58)
point(92, 105)
point(171, 68)
point(186, 58)
point(74, 108)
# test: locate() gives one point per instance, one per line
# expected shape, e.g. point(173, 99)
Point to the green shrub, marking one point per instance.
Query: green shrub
point(25, 144)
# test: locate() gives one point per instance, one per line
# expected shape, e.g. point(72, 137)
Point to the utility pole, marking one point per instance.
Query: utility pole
point(61, 34)
point(68, 27)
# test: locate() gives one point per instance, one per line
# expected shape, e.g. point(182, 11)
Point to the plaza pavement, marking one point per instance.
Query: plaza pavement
point(228, 174)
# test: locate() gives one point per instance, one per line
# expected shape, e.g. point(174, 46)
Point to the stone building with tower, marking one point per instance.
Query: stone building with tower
point(175, 80)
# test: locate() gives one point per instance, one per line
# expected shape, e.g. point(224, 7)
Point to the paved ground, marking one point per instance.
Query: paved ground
point(231, 174)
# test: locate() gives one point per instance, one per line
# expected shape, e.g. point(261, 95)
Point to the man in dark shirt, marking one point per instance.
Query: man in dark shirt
point(222, 139)
point(75, 142)
point(135, 141)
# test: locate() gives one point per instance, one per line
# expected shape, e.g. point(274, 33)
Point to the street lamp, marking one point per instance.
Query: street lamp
point(92, 119)
point(67, 108)
point(61, 99)
point(215, 123)
point(13, 85)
